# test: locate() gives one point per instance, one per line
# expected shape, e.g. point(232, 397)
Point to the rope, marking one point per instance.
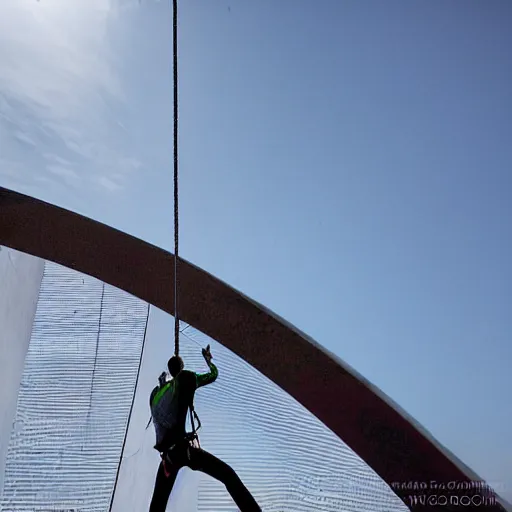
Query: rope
point(176, 224)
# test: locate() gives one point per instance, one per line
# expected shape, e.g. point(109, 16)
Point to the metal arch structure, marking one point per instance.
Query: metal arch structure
point(389, 441)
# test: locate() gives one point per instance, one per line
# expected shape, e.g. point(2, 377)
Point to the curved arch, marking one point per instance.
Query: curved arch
point(382, 435)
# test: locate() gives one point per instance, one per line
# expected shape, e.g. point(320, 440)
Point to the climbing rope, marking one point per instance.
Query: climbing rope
point(176, 225)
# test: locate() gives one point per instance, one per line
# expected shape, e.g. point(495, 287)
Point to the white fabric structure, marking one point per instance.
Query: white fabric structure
point(75, 396)
point(286, 457)
point(20, 280)
point(80, 441)
point(94, 351)
point(140, 461)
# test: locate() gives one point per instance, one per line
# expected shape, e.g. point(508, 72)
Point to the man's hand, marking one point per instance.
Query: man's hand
point(207, 355)
point(162, 379)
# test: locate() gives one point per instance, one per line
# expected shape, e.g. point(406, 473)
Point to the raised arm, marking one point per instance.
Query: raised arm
point(203, 379)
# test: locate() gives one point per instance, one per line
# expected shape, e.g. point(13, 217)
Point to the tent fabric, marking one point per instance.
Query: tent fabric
point(386, 438)
point(287, 458)
point(77, 389)
point(75, 396)
point(20, 280)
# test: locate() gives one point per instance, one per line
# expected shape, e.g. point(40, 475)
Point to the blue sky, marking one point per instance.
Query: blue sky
point(348, 164)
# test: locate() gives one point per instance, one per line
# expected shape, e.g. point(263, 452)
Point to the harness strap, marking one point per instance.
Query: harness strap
point(193, 415)
point(167, 473)
point(166, 456)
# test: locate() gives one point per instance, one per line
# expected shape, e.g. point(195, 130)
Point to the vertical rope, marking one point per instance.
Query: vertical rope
point(176, 225)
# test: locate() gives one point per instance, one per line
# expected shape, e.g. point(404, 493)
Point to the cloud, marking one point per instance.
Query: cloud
point(69, 176)
point(108, 184)
point(57, 159)
point(59, 87)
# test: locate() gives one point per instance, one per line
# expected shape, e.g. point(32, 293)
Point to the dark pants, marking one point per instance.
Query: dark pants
point(199, 460)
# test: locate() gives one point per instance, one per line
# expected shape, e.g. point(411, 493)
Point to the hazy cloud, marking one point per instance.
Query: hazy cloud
point(109, 184)
point(67, 175)
point(58, 81)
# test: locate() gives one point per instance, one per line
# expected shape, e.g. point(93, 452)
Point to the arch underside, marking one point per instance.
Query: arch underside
point(397, 449)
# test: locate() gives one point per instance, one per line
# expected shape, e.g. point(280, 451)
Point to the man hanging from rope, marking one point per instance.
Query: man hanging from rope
point(170, 402)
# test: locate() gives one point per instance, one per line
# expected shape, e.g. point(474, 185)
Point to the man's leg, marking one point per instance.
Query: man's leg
point(214, 467)
point(163, 487)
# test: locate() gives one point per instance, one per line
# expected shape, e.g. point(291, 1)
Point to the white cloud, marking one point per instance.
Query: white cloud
point(58, 81)
point(69, 176)
point(57, 159)
point(108, 184)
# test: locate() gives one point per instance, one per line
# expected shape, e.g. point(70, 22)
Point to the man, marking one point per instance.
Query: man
point(170, 402)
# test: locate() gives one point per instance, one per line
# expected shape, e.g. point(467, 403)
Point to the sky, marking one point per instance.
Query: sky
point(347, 164)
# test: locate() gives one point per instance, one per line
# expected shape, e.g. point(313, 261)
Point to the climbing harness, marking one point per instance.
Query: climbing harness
point(190, 439)
point(193, 414)
point(182, 447)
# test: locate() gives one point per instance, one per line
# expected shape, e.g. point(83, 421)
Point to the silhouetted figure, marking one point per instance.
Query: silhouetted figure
point(170, 402)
